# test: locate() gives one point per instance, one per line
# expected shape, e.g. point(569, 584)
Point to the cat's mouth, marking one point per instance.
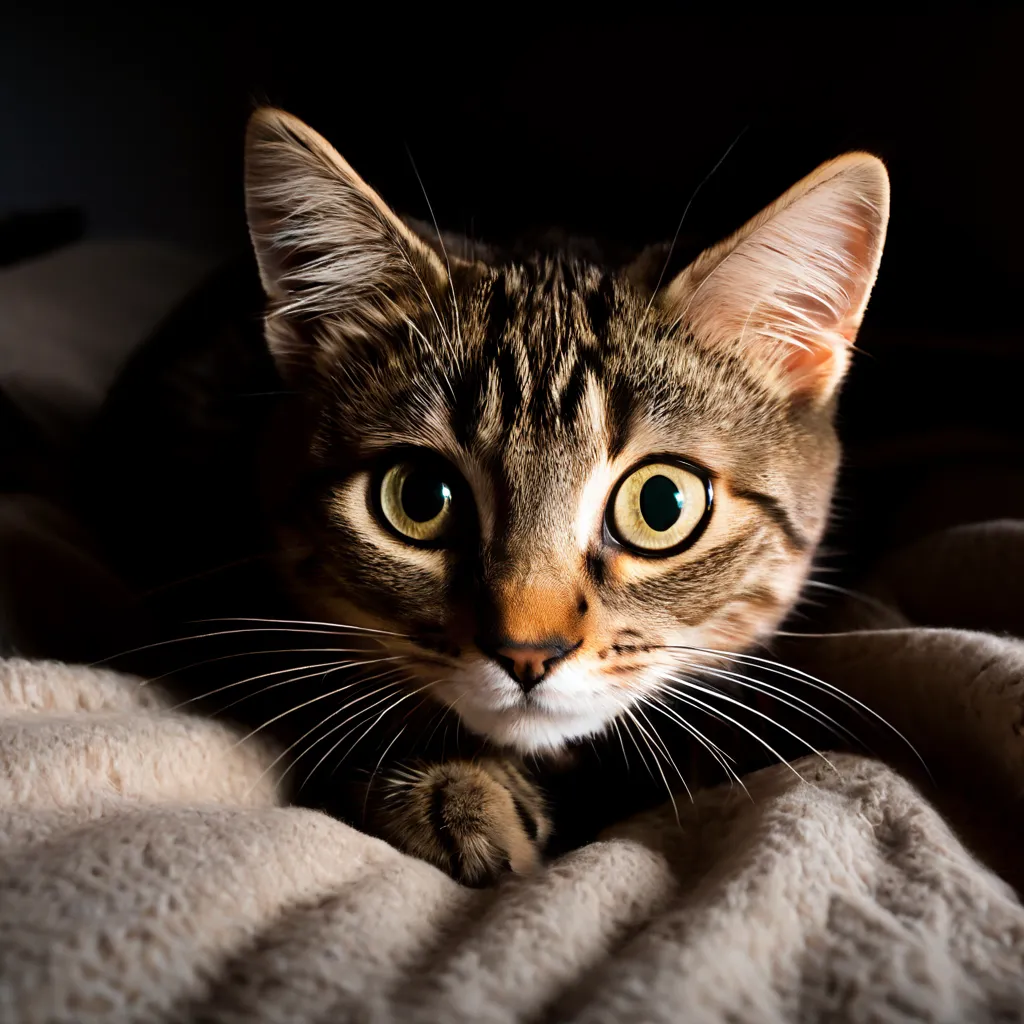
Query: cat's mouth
point(570, 704)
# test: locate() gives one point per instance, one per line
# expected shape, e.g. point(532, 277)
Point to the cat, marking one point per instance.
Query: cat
point(535, 496)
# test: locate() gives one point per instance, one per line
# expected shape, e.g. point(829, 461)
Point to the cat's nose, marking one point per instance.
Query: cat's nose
point(528, 664)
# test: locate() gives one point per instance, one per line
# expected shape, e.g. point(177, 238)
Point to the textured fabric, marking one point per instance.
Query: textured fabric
point(148, 871)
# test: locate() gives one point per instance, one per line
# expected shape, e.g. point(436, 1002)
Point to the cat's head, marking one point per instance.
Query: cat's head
point(549, 484)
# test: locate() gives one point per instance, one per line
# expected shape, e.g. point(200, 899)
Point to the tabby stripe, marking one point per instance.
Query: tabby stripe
point(572, 395)
point(529, 825)
point(499, 316)
point(517, 788)
point(469, 408)
point(692, 576)
point(596, 568)
point(545, 405)
point(507, 366)
point(589, 363)
point(600, 305)
point(778, 515)
point(718, 557)
point(621, 400)
point(762, 596)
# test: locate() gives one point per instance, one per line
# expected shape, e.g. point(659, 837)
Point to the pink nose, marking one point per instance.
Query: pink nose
point(529, 664)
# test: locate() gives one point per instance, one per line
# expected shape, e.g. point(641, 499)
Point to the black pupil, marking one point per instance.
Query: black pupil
point(661, 503)
point(423, 495)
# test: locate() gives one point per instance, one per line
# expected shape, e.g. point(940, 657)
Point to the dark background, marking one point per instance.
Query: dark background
point(604, 126)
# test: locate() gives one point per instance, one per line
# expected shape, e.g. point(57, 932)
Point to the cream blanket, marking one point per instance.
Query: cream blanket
point(144, 878)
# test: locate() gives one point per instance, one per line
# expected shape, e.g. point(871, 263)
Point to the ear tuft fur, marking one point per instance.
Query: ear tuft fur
point(327, 245)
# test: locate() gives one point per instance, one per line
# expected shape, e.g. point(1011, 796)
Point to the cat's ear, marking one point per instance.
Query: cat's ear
point(789, 289)
point(327, 245)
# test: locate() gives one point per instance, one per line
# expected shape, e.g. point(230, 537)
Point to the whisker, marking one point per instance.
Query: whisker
point(251, 654)
point(446, 709)
point(426, 294)
point(305, 704)
point(380, 761)
point(707, 709)
point(440, 240)
point(675, 238)
point(663, 748)
point(341, 725)
point(277, 760)
point(435, 719)
point(358, 681)
point(712, 748)
point(657, 764)
point(440, 323)
point(366, 732)
point(697, 702)
point(720, 756)
point(444, 373)
point(826, 720)
point(341, 626)
point(622, 743)
point(798, 675)
point(400, 773)
point(786, 672)
point(760, 714)
point(438, 392)
point(333, 666)
point(661, 745)
point(323, 721)
point(222, 632)
point(262, 675)
point(838, 633)
point(629, 733)
point(867, 599)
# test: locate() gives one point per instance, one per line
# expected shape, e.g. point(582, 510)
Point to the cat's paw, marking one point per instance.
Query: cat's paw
point(474, 819)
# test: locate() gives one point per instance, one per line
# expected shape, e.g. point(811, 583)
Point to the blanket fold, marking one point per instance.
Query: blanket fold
point(149, 870)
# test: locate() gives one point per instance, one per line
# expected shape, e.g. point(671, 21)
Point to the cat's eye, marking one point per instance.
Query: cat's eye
point(660, 508)
point(416, 500)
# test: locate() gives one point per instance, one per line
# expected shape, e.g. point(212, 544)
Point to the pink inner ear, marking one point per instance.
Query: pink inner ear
point(812, 362)
point(821, 354)
point(816, 367)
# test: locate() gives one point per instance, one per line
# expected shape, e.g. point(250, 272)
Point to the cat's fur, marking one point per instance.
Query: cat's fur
point(541, 381)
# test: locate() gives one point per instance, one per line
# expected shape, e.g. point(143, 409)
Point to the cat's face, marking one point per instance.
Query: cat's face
point(549, 487)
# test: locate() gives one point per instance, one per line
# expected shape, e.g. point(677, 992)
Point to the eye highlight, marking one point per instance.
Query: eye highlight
point(416, 500)
point(659, 508)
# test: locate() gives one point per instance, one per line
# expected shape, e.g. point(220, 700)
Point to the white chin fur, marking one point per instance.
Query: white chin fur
point(572, 704)
point(528, 730)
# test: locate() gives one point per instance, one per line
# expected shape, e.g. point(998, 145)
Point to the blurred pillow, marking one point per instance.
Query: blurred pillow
point(68, 321)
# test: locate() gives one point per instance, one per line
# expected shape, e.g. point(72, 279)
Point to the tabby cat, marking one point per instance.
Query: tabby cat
point(535, 502)
point(551, 488)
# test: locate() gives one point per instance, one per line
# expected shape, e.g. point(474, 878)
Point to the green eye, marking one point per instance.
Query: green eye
point(659, 507)
point(416, 500)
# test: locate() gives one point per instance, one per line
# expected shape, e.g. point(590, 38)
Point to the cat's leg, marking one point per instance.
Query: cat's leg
point(474, 819)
